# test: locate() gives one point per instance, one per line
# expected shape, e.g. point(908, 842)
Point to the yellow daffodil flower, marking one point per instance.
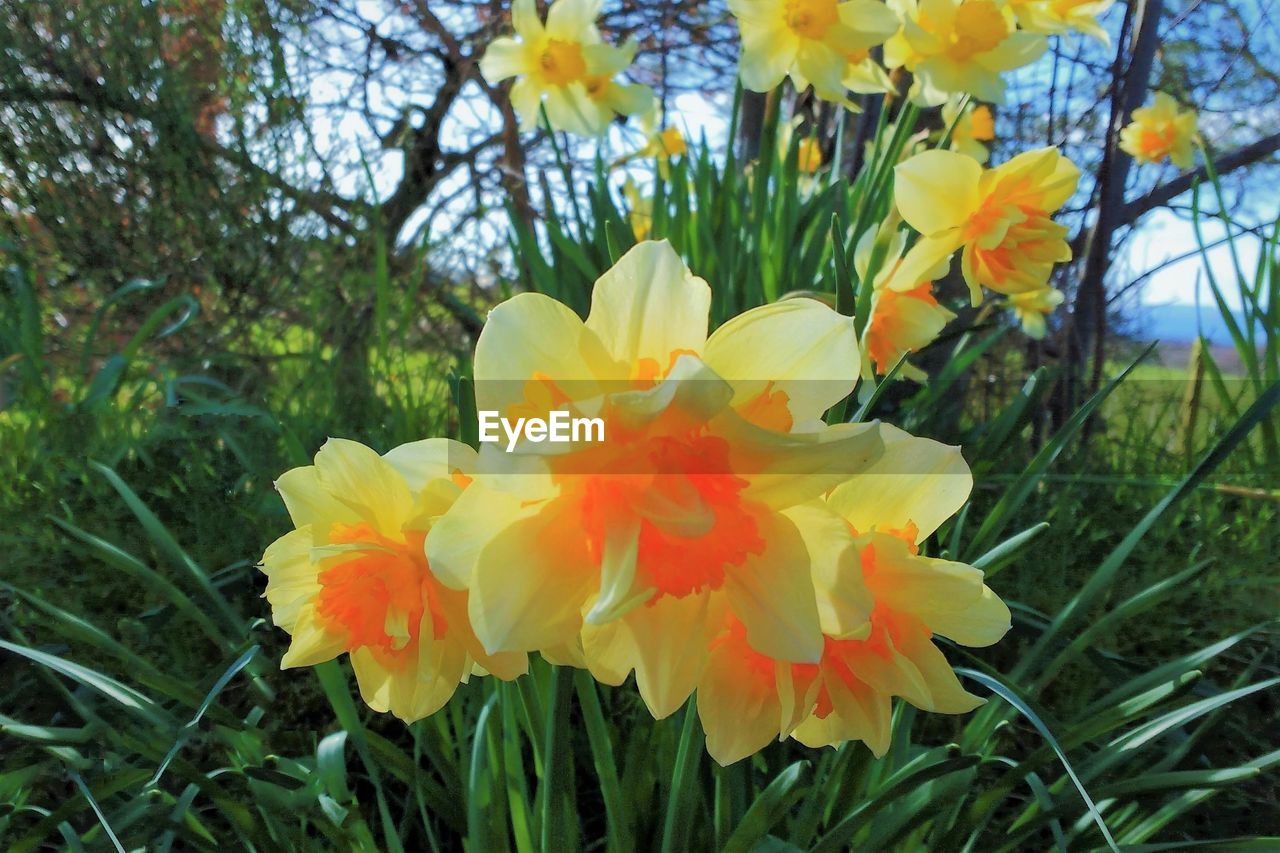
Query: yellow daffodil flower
point(353, 576)
point(970, 130)
point(640, 210)
point(1032, 307)
point(1055, 17)
point(565, 66)
point(1161, 130)
point(664, 142)
point(880, 603)
point(959, 46)
point(905, 316)
point(629, 553)
point(1000, 216)
point(813, 41)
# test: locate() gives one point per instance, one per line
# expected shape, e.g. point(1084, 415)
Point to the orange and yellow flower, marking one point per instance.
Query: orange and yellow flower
point(1161, 130)
point(566, 67)
point(815, 42)
point(628, 553)
point(1055, 17)
point(880, 603)
point(1001, 217)
point(959, 46)
point(352, 577)
point(970, 130)
point(1031, 309)
point(905, 316)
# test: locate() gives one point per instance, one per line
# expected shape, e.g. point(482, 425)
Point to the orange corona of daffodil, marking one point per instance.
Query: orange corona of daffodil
point(1161, 130)
point(630, 553)
point(565, 66)
point(970, 130)
point(905, 316)
point(1032, 307)
point(353, 576)
point(1001, 217)
point(880, 603)
point(814, 41)
point(959, 46)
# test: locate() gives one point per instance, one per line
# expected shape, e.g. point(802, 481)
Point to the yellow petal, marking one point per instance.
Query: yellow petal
point(358, 477)
point(525, 20)
point(650, 306)
point(768, 53)
point(738, 718)
point(785, 469)
point(530, 334)
point(312, 643)
point(772, 594)
point(981, 623)
point(420, 462)
point(945, 695)
point(918, 585)
point(843, 600)
point(480, 513)
point(571, 109)
point(936, 191)
point(858, 713)
point(420, 687)
point(670, 639)
point(805, 349)
point(570, 19)
point(618, 592)
point(309, 502)
point(915, 480)
point(528, 590)
point(291, 576)
point(505, 57)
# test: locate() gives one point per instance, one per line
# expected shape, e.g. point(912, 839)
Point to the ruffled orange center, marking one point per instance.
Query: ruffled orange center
point(677, 476)
point(812, 18)
point(376, 593)
point(674, 477)
point(978, 27)
point(1027, 242)
point(843, 659)
point(1156, 140)
point(562, 62)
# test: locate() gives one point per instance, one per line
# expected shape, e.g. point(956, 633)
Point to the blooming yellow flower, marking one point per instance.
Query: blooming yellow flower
point(813, 41)
point(959, 46)
point(628, 553)
point(1000, 216)
point(565, 66)
point(880, 604)
point(1033, 306)
point(1055, 17)
point(640, 210)
point(1160, 130)
point(662, 141)
point(809, 155)
point(905, 317)
point(969, 130)
point(353, 576)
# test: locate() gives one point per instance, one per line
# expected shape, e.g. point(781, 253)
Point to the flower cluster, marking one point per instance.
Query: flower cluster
point(721, 538)
point(717, 536)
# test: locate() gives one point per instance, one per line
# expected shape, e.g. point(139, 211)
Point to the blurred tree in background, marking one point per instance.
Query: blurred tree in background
point(243, 149)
